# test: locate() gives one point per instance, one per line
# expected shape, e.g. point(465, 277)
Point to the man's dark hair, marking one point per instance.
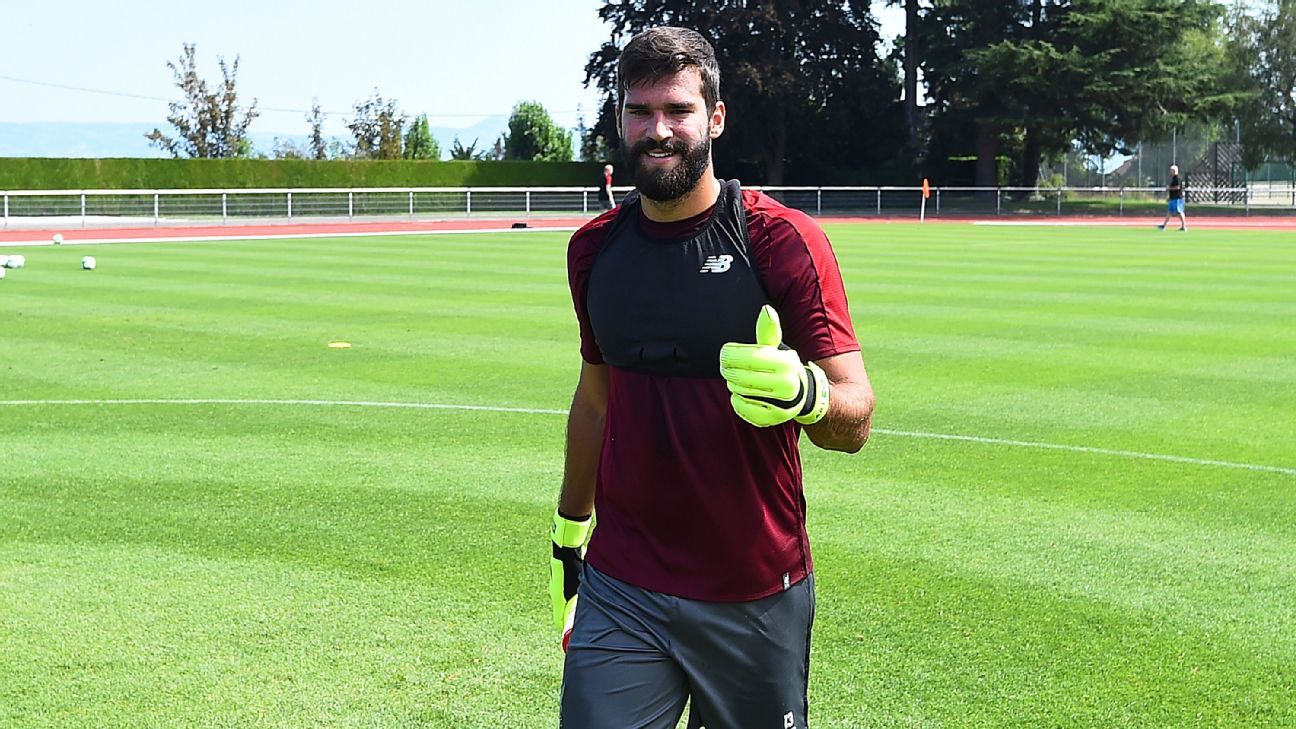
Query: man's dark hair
point(661, 52)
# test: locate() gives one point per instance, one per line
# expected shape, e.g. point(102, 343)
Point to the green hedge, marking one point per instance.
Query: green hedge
point(47, 173)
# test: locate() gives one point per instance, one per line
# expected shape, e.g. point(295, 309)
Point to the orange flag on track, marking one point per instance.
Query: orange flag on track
point(926, 189)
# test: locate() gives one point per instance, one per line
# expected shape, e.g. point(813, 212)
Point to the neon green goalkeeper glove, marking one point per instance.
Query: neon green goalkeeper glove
point(770, 384)
point(569, 537)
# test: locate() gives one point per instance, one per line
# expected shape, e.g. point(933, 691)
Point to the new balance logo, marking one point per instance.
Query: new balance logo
point(716, 264)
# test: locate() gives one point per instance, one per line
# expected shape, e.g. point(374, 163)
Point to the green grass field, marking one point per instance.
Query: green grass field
point(300, 565)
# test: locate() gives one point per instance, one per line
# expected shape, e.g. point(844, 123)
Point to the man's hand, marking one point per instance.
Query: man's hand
point(569, 535)
point(770, 385)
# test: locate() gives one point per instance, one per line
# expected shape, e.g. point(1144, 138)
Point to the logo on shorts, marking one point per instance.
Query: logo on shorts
point(789, 721)
point(716, 264)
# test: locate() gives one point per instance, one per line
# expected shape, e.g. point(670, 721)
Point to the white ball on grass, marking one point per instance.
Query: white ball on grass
point(88, 263)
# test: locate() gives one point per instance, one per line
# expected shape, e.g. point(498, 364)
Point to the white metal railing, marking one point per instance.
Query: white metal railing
point(101, 208)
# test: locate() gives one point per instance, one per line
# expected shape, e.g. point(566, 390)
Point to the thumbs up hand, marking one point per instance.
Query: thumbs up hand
point(769, 383)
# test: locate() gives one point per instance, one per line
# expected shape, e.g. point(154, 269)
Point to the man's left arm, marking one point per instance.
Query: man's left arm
point(845, 427)
point(801, 276)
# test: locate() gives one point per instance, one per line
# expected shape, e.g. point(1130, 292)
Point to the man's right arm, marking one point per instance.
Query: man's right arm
point(584, 440)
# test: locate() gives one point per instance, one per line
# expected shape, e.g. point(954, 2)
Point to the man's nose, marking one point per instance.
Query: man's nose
point(660, 127)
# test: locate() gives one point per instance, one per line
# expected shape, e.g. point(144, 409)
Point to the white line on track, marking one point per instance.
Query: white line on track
point(543, 411)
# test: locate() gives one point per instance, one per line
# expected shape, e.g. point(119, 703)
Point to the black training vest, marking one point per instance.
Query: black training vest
point(665, 307)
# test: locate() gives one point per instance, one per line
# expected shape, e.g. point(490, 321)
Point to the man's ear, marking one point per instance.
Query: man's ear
point(717, 119)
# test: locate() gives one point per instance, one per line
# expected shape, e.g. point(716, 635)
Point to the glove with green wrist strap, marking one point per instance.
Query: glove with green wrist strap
point(769, 383)
point(569, 536)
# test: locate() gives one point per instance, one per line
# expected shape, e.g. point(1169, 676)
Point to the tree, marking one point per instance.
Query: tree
point(288, 149)
point(910, 48)
point(807, 96)
point(458, 151)
point(208, 123)
point(533, 135)
point(1262, 52)
point(598, 143)
point(318, 146)
point(419, 142)
point(377, 127)
point(979, 103)
point(1040, 74)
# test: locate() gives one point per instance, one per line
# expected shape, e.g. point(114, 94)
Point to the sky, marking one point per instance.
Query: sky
point(457, 61)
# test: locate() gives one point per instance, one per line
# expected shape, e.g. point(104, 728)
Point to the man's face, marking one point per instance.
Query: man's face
point(666, 135)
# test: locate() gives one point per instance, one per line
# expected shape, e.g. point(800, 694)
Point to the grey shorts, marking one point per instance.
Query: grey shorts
point(637, 656)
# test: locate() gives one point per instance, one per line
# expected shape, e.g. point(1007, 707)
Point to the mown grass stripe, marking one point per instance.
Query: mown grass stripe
point(543, 411)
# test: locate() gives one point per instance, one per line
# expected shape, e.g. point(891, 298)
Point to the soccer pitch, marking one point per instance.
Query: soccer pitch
point(1078, 507)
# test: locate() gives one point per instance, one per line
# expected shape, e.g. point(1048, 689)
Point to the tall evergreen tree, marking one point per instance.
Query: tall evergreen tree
point(807, 96)
point(1044, 73)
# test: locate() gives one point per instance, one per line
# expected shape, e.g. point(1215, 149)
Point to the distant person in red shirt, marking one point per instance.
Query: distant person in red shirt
point(607, 200)
point(713, 329)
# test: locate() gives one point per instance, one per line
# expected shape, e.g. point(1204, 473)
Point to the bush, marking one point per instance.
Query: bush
point(39, 173)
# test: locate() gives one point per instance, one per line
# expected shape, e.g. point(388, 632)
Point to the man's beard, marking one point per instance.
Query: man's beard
point(666, 185)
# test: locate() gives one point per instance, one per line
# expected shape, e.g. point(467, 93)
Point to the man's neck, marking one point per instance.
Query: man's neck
point(702, 197)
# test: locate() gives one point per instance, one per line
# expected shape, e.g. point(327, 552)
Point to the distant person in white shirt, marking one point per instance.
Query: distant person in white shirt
point(607, 200)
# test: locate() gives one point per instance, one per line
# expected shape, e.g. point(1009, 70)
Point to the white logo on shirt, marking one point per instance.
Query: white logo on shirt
point(716, 264)
point(789, 721)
